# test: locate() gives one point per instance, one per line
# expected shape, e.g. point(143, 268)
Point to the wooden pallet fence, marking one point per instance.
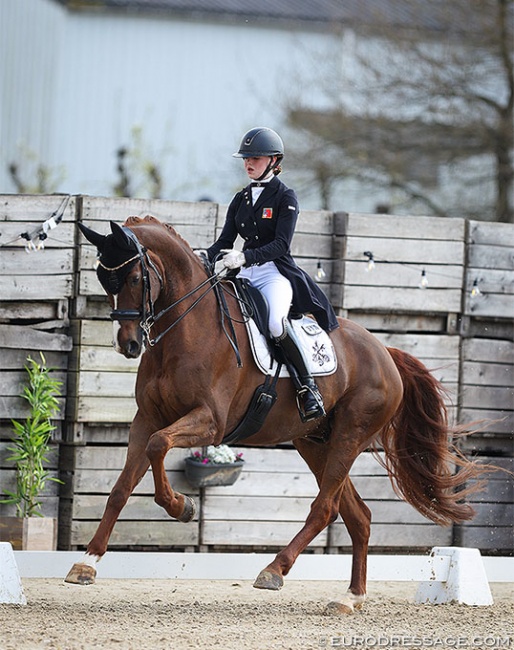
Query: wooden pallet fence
point(266, 506)
point(492, 528)
point(491, 270)
point(101, 381)
point(487, 394)
point(402, 248)
point(394, 524)
point(269, 503)
point(142, 523)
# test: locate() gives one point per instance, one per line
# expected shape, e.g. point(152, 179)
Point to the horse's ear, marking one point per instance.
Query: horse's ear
point(121, 238)
point(95, 238)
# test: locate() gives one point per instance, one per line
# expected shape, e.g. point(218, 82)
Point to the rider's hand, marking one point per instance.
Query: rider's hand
point(234, 260)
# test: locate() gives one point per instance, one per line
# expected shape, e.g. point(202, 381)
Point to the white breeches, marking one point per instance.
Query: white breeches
point(277, 290)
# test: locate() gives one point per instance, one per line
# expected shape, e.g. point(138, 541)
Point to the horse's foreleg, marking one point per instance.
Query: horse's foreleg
point(193, 430)
point(136, 465)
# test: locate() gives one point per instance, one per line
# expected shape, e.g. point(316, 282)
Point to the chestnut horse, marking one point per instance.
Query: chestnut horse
point(190, 392)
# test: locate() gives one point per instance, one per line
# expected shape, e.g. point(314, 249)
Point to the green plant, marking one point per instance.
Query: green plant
point(31, 439)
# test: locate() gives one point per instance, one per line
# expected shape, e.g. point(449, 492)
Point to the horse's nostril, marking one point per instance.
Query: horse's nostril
point(133, 349)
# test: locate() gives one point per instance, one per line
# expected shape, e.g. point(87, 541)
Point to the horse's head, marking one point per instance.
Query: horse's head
point(132, 280)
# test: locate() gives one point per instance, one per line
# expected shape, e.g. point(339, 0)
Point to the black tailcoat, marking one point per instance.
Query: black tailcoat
point(267, 229)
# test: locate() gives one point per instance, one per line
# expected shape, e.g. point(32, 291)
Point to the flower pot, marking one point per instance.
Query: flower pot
point(29, 533)
point(201, 474)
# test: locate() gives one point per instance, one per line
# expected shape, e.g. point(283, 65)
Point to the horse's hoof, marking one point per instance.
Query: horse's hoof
point(268, 580)
point(189, 510)
point(339, 609)
point(347, 605)
point(81, 574)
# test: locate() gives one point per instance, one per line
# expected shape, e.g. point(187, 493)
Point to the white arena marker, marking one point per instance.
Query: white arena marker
point(466, 582)
point(11, 590)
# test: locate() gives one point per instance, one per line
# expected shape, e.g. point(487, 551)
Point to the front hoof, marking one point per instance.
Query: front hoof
point(268, 580)
point(189, 510)
point(81, 574)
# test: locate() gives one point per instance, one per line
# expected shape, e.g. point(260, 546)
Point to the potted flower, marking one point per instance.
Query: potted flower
point(29, 530)
point(213, 466)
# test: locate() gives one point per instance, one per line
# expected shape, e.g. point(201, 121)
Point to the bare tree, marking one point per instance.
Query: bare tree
point(424, 108)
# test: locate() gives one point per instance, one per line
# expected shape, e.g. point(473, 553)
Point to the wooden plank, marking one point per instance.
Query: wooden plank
point(56, 261)
point(32, 310)
point(107, 384)
point(11, 359)
point(27, 287)
point(489, 257)
point(132, 533)
point(487, 374)
point(493, 421)
point(407, 251)
point(489, 304)
point(403, 227)
point(101, 481)
point(295, 509)
point(487, 538)
point(407, 300)
point(398, 275)
point(8, 483)
point(25, 337)
point(105, 209)
point(62, 237)
point(250, 533)
point(12, 382)
point(105, 359)
point(399, 323)
point(49, 507)
point(138, 508)
point(91, 457)
point(52, 456)
point(488, 350)
point(21, 208)
point(486, 232)
point(426, 346)
point(396, 535)
point(105, 409)
point(491, 280)
point(17, 408)
point(488, 397)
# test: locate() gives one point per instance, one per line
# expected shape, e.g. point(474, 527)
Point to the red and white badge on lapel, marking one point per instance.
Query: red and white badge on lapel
point(267, 213)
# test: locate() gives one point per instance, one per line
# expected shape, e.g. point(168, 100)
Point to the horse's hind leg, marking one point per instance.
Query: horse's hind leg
point(136, 465)
point(330, 466)
point(357, 518)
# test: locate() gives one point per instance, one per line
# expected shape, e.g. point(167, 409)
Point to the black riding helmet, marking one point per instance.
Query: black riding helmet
point(262, 141)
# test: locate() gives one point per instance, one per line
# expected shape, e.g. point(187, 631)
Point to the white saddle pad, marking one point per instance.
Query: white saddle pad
point(316, 344)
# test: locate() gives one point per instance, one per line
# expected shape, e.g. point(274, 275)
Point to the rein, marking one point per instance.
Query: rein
point(148, 316)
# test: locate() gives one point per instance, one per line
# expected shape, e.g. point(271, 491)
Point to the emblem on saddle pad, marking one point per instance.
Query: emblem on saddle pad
point(316, 343)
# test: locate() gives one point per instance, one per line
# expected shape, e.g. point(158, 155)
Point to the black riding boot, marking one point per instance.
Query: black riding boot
point(310, 402)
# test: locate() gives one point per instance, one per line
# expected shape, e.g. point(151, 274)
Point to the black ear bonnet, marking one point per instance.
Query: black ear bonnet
point(117, 255)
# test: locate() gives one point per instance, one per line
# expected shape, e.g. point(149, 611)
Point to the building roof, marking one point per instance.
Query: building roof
point(438, 15)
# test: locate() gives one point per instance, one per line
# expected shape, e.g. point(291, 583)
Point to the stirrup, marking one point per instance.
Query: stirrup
point(319, 410)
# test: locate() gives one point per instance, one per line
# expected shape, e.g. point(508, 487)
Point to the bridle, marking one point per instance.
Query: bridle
point(147, 316)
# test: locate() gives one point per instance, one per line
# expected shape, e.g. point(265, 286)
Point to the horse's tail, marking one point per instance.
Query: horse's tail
point(425, 467)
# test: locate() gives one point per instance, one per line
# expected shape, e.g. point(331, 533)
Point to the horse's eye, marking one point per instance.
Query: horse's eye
point(134, 280)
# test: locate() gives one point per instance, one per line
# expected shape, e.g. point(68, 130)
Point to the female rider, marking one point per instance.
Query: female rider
point(264, 214)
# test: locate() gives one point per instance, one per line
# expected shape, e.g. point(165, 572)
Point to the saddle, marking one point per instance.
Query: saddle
point(268, 358)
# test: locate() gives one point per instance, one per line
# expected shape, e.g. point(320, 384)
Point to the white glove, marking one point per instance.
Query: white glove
point(200, 252)
point(234, 260)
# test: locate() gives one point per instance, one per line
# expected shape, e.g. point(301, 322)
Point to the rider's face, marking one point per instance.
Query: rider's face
point(255, 167)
